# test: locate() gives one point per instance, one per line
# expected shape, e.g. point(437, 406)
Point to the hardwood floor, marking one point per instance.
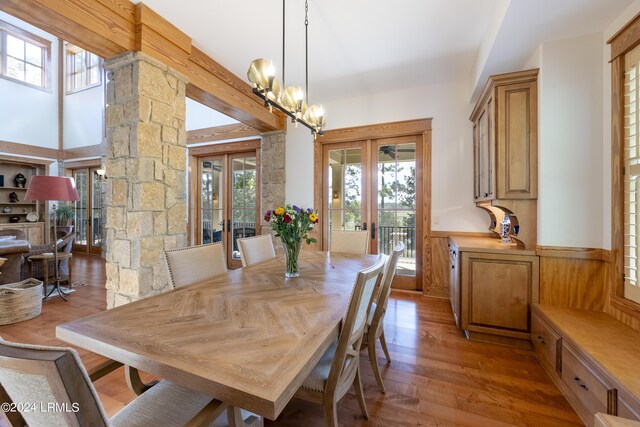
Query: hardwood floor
point(436, 378)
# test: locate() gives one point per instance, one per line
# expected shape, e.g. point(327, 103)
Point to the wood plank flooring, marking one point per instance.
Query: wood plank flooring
point(436, 378)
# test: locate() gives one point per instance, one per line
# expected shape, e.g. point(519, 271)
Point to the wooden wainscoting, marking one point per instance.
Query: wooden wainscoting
point(574, 277)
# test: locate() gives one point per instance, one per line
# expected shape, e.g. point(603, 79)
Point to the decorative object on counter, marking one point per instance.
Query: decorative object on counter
point(7, 209)
point(292, 224)
point(33, 217)
point(20, 180)
point(1, 180)
point(505, 227)
point(13, 197)
point(14, 218)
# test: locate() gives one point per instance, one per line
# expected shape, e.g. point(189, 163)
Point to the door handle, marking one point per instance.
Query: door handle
point(364, 226)
point(228, 225)
point(222, 225)
point(579, 383)
point(373, 230)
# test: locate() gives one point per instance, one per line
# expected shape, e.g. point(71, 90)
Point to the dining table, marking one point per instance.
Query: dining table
point(248, 337)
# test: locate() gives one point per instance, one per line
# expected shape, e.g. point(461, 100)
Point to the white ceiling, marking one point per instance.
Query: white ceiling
point(361, 46)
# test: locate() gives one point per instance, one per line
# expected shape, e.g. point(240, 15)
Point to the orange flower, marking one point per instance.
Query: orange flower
point(279, 211)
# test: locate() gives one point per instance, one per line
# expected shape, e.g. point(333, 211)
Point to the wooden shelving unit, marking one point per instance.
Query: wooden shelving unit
point(9, 168)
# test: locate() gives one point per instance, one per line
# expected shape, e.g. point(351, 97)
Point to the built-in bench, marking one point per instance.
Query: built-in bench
point(592, 357)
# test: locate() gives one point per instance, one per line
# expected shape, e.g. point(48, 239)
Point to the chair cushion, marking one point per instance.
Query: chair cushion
point(165, 404)
point(320, 373)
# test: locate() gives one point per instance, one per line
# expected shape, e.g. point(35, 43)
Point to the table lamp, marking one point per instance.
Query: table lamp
point(53, 189)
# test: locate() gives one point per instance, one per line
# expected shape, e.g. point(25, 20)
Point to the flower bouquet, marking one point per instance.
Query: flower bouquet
point(292, 224)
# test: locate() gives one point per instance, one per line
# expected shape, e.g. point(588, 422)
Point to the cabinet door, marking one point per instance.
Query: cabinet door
point(476, 162)
point(497, 292)
point(517, 141)
point(35, 234)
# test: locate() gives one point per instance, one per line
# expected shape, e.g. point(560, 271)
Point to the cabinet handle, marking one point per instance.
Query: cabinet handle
point(373, 231)
point(453, 266)
point(579, 382)
point(364, 226)
point(541, 339)
point(486, 194)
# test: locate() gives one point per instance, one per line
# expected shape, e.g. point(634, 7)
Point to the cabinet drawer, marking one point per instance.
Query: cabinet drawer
point(627, 410)
point(545, 341)
point(583, 381)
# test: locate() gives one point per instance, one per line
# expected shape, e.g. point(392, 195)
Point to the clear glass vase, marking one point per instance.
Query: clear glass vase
point(291, 253)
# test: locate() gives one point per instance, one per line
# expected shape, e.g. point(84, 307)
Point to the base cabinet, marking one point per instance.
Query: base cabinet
point(454, 283)
point(33, 230)
point(497, 293)
point(575, 348)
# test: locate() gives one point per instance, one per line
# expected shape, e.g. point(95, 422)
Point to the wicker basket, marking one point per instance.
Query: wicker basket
point(20, 301)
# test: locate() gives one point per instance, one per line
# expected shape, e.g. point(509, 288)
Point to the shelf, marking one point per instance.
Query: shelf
point(15, 213)
point(19, 203)
point(13, 188)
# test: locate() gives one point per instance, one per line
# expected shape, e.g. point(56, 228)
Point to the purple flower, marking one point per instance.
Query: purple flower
point(309, 210)
point(296, 208)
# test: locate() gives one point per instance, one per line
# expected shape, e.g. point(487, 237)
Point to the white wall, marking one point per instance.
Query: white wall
point(84, 117)
point(200, 116)
point(452, 147)
point(570, 109)
point(29, 116)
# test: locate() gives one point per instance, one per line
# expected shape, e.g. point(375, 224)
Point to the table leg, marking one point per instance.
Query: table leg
point(235, 418)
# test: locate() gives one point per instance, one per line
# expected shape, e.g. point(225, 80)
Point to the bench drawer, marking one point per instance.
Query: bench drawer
point(583, 381)
point(544, 340)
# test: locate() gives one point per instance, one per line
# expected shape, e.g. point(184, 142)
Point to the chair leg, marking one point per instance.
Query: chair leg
point(357, 384)
point(331, 413)
point(373, 358)
point(383, 342)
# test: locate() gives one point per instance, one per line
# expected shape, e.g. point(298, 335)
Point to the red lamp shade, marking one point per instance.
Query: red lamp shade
point(56, 188)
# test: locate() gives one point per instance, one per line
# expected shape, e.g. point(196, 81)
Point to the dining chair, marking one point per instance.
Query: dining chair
point(256, 249)
point(194, 264)
point(349, 241)
point(375, 320)
point(52, 387)
point(339, 367)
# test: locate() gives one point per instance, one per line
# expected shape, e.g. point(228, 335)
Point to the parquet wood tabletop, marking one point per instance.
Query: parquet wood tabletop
point(249, 337)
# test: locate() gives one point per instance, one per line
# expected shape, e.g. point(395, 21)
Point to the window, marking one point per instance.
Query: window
point(625, 172)
point(631, 158)
point(84, 69)
point(26, 58)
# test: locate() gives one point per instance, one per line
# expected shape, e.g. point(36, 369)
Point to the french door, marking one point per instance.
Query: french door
point(376, 185)
point(88, 211)
point(228, 201)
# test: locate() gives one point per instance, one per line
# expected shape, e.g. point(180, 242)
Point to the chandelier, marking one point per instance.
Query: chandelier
point(291, 101)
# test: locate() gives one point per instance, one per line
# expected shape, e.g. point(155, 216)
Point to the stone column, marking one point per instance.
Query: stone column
point(146, 166)
point(272, 174)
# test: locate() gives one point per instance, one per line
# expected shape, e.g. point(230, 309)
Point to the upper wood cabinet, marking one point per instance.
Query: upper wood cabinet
point(505, 138)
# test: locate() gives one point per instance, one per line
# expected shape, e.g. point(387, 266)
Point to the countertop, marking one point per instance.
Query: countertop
point(487, 245)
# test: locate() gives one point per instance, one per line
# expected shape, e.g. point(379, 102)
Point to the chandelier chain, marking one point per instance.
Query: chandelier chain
point(283, 38)
point(306, 47)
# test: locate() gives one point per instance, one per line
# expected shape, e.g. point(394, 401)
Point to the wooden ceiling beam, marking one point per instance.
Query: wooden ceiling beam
point(221, 133)
point(110, 27)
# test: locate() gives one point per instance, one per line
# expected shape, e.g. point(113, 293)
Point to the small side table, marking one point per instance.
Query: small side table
point(45, 260)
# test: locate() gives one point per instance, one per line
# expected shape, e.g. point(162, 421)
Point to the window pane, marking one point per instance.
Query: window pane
point(94, 60)
point(34, 54)
point(15, 68)
point(94, 75)
point(79, 63)
point(33, 75)
point(15, 47)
